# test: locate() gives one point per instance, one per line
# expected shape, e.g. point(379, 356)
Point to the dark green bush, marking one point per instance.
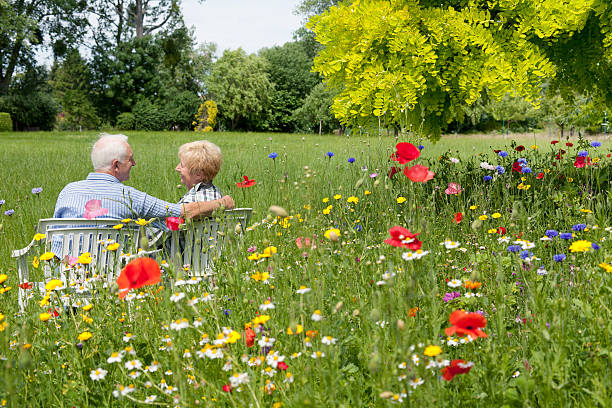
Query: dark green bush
point(6, 124)
point(126, 121)
point(149, 116)
point(33, 111)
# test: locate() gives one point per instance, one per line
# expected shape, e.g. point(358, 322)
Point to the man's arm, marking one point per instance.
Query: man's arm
point(204, 208)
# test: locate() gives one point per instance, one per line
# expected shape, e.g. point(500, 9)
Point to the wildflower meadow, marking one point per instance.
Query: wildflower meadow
point(375, 270)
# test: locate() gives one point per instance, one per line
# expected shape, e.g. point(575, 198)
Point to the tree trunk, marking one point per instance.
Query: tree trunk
point(319, 127)
point(139, 19)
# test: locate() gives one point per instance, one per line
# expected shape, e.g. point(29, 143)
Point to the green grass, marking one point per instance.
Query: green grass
point(552, 329)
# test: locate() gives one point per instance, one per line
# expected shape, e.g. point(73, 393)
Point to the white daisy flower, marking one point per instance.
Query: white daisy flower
point(98, 374)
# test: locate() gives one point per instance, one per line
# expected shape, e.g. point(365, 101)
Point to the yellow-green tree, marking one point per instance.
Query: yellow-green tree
point(416, 63)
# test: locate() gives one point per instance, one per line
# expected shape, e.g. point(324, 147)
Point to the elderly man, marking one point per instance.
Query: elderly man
point(112, 159)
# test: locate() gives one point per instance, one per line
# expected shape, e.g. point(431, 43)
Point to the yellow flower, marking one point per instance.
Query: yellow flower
point(87, 307)
point(3, 277)
point(118, 226)
point(35, 263)
point(52, 284)
point(534, 147)
point(233, 337)
point(473, 207)
point(39, 237)
point(85, 258)
point(367, 192)
point(142, 222)
point(432, 351)
point(84, 336)
point(307, 207)
point(483, 217)
point(44, 301)
point(495, 215)
point(401, 200)
point(269, 251)
point(126, 220)
point(570, 179)
point(44, 316)
point(298, 329)
point(113, 247)
point(262, 319)
point(47, 256)
point(337, 197)
point(584, 210)
point(606, 267)
point(352, 199)
point(332, 234)
point(260, 277)
point(326, 199)
point(580, 246)
point(327, 210)
point(492, 231)
point(87, 319)
point(524, 186)
point(253, 257)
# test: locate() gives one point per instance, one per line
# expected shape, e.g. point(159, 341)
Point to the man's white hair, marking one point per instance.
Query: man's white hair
point(107, 149)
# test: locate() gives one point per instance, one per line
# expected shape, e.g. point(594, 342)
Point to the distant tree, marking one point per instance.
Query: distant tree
point(26, 26)
point(241, 87)
point(289, 69)
point(315, 113)
point(71, 83)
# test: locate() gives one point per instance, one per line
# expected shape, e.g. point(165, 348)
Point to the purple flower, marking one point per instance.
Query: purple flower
point(514, 248)
point(500, 170)
point(351, 160)
point(273, 155)
point(37, 190)
point(2, 202)
point(487, 178)
point(595, 246)
point(330, 154)
point(373, 175)
point(595, 144)
point(526, 170)
point(551, 233)
point(526, 254)
point(566, 235)
point(579, 227)
point(421, 147)
point(503, 153)
point(9, 212)
point(522, 162)
point(583, 153)
point(450, 296)
point(559, 257)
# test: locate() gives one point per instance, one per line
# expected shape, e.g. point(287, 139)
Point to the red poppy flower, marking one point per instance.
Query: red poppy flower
point(609, 155)
point(540, 176)
point(569, 144)
point(456, 367)
point(173, 223)
point(419, 173)
point(464, 323)
point(496, 151)
point(250, 337)
point(403, 238)
point(516, 166)
point(227, 388)
point(579, 163)
point(405, 153)
point(458, 218)
point(138, 273)
point(246, 182)
point(501, 231)
point(554, 142)
point(393, 171)
point(519, 148)
point(282, 366)
point(26, 285)
point(53, 312)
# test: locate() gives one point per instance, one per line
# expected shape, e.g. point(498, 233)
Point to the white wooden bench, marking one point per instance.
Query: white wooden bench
point(75, 236)
point(197, 244)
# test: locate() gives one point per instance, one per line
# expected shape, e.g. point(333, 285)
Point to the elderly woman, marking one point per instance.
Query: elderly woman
point(199, 164)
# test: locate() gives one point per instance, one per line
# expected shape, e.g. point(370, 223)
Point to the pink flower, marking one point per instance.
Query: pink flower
point(453, 189)
point(71, 261)
point(304, 242)
point(419, 173)
point(93, 209)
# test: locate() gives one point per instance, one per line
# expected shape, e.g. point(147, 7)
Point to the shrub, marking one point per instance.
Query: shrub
point(206, 117)
point(6, 124)
point(149, 116)
point(126, 121)
point(36, 110)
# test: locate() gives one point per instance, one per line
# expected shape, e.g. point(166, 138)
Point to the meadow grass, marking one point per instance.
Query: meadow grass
point(547, 318)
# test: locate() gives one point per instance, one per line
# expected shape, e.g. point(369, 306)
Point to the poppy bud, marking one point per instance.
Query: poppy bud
point(385, 394)
point(376, 183)
point(359, 183)
point(278, 211)
point(355, 312)
point(143, 242)
point(238, 229)
point(114, 288)
point(1, 227)
point(400, 324)
point(338, 307)
point(269, 218)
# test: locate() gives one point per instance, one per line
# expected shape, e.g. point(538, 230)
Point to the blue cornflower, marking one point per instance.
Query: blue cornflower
point(525, 254)
point(37, 190)
point(595, 144)
point(351, 160)
point(566, 235)
point(503, 153)
point(487, 178)
point(2, 202)
point(526, 170)
point(559, 257)
point(578, 227)
point(9, 212)
point(273, 155)
point(595, 246)
point(330, 154)
point(551, 233)
point(583, 153)
point(500, 170)
point(522, 162)
point(514, 248)
point(421, 147)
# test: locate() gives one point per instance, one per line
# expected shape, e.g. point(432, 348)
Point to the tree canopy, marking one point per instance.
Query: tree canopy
point(416, 63)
